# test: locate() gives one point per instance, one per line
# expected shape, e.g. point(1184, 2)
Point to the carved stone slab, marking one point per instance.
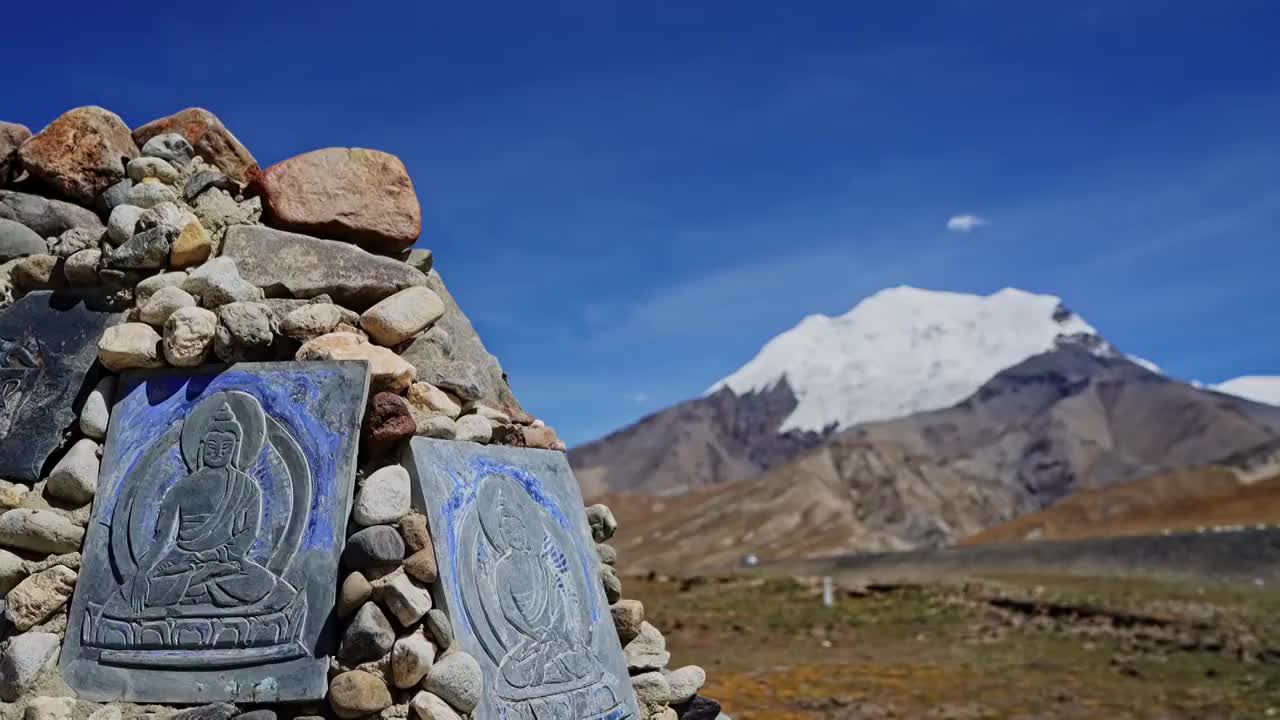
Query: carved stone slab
point(520, 580)
point(211, 560)
point(48, 344)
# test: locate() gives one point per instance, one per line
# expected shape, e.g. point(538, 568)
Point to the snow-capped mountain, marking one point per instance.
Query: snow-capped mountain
point(905, 350)
point(1012, 387)
point(1258, 388)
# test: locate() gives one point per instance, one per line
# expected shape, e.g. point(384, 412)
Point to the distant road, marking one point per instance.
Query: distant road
point(1240, 556)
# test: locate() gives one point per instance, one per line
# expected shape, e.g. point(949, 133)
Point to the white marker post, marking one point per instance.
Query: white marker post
point(828, 592)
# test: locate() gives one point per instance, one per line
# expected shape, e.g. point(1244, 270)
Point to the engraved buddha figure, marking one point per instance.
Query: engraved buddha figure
point(543, 649)
point(207, 523)
point(22, 356)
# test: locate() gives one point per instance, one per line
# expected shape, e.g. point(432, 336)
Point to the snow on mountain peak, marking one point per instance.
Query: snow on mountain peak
point(904, 350)
point(1258, 388)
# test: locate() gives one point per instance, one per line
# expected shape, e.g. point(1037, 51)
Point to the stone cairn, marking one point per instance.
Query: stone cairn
point(209, 259)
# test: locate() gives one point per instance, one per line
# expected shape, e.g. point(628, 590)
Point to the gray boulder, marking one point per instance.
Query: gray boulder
point(457, 679)
point(18, 240)
point(22, 659)
point(603, 524)
point(244, 332)
point(75, 240)
point(170, 147)
point(377, 546)
point(647, 651)
point(12, 135)
point(287, 264)
point(48, 218)
point(369, 636)
point(219, 282)
point(147, 250)
point(113, 197)
point(452, 356)
point(686, 682)
point(439, 628)
point(205, 179)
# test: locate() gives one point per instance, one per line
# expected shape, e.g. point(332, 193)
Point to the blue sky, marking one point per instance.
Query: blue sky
point(628, 199)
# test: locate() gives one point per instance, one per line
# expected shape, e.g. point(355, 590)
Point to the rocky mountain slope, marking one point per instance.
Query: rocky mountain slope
point(1062, 421)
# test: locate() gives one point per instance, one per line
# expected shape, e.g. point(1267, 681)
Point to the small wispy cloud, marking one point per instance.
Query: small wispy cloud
point(638, 398)
point(965, 223)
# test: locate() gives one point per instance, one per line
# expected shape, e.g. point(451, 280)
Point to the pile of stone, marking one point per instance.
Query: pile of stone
point(187, 254)
point(663, 694)
point(397, 650)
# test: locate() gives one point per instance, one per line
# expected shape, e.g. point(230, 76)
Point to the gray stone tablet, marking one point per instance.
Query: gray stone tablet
point(211, 560)
point(520, 580)
point(48, 343)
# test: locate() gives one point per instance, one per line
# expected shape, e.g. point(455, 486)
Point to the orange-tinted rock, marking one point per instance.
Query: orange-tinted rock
point(350, 194)
point(210, 138)
point(81, 153)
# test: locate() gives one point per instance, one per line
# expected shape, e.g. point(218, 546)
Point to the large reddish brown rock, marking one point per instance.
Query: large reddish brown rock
point(81, 153)
point(350, 194)
point(387, 422)
point(210, 138)
point(12, 135)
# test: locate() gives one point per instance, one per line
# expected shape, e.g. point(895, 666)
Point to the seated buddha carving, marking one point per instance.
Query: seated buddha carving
point(207, 524)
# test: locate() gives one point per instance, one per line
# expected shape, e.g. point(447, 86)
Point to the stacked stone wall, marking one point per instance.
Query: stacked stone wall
point(195, 255)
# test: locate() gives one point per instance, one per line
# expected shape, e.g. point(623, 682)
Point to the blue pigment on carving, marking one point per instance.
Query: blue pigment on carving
point(463, 497)
point(152, 404)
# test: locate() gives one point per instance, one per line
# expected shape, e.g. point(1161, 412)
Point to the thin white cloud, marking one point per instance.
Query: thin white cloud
point(638, 398)
point(965, 223)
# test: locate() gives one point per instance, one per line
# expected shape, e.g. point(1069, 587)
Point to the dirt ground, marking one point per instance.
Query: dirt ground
point(998, 648)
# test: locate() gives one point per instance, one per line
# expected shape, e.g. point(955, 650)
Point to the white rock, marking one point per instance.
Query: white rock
point(122, 223)
point(13, 570)
point(401, 316)
point(130, 345)
point(188, 336)
point(96, 413)
point(150, 286)
point(603, 524)
point(22, 659)
point(45, 531)
point(411, 659)
point(457, 679)
point(497, 417)
point(75, 477)
point(426, 400)
point(169, 214)
point(315, 319)
point(652, 689)
point(437, 426)
point(145, 167)
point(50, 708)
point(383, 498)
point(685, 683)
point(218, 282)
point(475, 428)
point(429, 706)
point(149, 194)
point(406, 599)
point(165, 302)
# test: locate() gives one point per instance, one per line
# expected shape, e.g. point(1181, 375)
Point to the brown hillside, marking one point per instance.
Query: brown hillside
point(847, 495)
point(1182, 499)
